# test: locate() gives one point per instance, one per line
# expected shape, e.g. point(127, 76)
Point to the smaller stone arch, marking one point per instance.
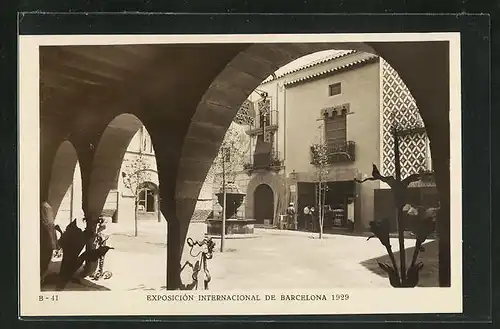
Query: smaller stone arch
point(108, 159)
point(62, 173)
point(149, 185)
point(273, 180)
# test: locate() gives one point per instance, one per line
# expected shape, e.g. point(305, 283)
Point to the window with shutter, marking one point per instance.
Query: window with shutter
point(335, 89)
point(335, 130)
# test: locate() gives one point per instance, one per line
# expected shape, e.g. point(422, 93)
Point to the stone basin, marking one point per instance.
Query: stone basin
point(234, 226)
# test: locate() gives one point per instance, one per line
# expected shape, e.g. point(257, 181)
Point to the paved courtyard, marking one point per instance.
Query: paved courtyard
point(272, 259)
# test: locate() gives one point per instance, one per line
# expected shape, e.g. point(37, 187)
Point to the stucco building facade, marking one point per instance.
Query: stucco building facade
point(350, 101)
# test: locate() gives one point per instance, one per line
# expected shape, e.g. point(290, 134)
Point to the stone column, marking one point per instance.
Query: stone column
point(177, 227)
point(442, 177)
point(90, 212)
point(177, 213)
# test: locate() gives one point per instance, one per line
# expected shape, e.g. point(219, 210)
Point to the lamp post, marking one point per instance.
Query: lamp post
point(225, 156)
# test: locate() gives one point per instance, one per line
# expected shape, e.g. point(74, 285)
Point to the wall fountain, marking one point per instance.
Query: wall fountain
point(235, 225)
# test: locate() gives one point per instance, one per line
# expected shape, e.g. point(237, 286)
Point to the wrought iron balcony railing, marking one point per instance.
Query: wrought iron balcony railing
point(337, 152)
point(270, 161)
point(268, 121)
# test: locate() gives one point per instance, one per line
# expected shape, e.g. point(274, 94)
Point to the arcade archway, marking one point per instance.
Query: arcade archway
point(108, 159)
point(188, 105)
point(62, 174)
point(414, 61)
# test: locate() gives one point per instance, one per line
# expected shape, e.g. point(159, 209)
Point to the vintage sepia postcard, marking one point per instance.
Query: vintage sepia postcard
point(282, 174)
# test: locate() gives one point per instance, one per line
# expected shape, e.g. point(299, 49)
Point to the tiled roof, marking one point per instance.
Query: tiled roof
point(330, 71)
point(311, 64)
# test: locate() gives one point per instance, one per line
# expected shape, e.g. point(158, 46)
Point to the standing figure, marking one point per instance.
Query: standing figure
point(350, 214)
point(313, 219)
point(305, 219)
point(290, 211)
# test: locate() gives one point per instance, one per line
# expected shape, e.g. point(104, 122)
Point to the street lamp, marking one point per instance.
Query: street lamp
point(225, 157)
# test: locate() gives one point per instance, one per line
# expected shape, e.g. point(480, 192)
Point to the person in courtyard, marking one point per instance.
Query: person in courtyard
point(350, 214)
point(291, 216)
point(328, 216)
point(305, 218)
point(313, 219)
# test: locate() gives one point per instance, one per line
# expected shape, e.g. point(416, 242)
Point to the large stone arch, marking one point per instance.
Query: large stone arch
point(219, 105)
point(108, 159)
point(187, 103)
point(414, 61)
point(273, 180)
point(62, 173)
point(423, 66)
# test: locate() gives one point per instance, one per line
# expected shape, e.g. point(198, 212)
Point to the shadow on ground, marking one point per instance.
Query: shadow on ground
point(428, 274)
point(76, 284)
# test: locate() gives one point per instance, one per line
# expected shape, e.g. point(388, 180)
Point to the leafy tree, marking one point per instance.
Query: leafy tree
point(320, 161)
point(229, 161)
point(137, 172)
point(232, 153)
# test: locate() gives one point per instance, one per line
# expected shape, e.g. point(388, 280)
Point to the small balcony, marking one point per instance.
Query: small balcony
point(269, 121)
point(254, 131)
point(264, 161)
point(337, 153)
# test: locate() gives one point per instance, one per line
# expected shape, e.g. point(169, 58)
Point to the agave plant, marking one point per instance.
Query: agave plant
point(381, 230)
point(422, 228)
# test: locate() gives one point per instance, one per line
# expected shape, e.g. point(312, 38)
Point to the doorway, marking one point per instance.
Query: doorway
point(147, 207)
point(264, 204)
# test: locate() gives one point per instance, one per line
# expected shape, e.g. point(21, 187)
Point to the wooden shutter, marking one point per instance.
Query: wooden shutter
point(335, 129)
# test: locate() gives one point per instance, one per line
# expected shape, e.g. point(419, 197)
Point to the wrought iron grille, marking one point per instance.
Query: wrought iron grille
point(338, 152)
point(200, 267)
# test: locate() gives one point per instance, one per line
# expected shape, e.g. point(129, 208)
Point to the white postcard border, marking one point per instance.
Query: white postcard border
point(361, 301)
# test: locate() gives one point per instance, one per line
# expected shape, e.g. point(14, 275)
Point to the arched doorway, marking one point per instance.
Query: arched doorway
point(147, 200)
point(264, 204)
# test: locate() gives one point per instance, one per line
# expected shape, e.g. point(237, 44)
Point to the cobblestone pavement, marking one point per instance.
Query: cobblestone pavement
point(272, 259)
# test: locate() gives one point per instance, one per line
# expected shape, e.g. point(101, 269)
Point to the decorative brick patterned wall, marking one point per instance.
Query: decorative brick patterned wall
point(400, 110)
